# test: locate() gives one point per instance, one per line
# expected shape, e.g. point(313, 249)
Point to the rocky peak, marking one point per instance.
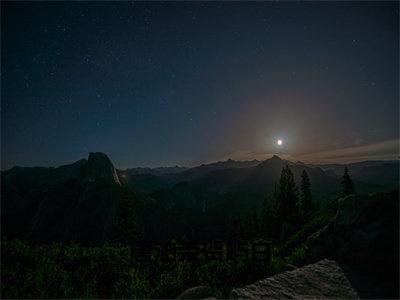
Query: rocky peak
point(275, 158)
point(99, 166)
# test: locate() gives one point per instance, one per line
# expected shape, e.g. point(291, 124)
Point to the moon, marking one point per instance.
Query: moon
point(279, 142)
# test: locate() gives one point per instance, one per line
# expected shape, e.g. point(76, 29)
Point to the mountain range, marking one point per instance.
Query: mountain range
point(79, 201)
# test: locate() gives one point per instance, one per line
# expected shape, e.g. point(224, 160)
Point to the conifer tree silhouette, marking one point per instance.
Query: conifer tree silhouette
point(347, 183)
point(306, 205)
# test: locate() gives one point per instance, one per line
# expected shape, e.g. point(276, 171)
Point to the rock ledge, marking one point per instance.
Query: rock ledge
point(324, 279)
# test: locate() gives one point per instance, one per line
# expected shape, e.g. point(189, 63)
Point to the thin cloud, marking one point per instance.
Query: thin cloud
point(382, 150)
point(379, 151)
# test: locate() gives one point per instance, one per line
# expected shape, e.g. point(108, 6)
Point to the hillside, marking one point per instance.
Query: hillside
point(347, 250)
point(71, 202)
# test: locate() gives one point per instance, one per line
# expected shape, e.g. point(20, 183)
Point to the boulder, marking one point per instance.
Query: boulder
point(200, 292)
point(324, 279)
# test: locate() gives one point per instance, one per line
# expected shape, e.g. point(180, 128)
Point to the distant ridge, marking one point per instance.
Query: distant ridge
point(98, 166)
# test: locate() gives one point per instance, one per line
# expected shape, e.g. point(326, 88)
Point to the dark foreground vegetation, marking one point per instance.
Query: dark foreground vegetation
point(71, 271)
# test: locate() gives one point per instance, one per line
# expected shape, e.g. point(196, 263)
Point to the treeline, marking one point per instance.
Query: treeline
point(280, 216)
point(283, 213)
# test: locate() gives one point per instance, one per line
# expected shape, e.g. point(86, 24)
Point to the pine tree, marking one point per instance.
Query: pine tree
point(267, 218)
point(126, 228)
point(256, 228)
point(286, 195)
point(264, 217)
point(240, 233)
point(236, 229)
point(306, 205)
point(347, 183)
point(249, 227)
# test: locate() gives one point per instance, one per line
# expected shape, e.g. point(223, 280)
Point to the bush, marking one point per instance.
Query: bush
point(298, 256)
point(74, 271)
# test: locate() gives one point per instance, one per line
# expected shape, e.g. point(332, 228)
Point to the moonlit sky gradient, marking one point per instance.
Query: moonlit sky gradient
point(156, 84)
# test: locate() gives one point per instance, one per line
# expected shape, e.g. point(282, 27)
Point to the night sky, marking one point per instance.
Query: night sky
point(159, 84)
